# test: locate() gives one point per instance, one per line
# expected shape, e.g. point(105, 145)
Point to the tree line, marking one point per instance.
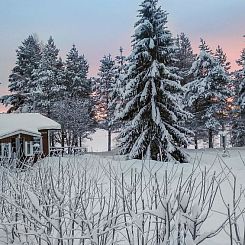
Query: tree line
point(157, 97)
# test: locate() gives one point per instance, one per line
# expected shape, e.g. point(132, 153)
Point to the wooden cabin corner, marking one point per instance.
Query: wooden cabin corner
point(25, 135)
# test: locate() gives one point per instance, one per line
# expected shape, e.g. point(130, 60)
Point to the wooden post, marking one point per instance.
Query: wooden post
point(196, 142)
point(49, 143)
point(223, 138)
point(18, 146)
point(109, 139)
point(210, 138)
point(80, 141)
point(62, 140)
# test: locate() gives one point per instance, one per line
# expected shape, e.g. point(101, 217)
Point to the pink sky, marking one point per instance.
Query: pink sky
point(231, 46)
point(99, 29)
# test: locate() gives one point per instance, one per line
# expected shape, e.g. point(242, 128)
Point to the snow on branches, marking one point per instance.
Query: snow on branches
point(152, 114)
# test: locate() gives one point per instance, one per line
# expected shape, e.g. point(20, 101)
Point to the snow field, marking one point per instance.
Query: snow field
point(94, 199)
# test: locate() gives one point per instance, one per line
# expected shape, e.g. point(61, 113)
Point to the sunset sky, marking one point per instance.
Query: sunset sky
point(100, 27)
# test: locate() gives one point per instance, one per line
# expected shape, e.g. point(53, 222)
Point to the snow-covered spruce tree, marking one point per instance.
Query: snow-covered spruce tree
point(184, 57)
point(75, 89)
point(241, 74)
point(152, 113)
point(196, 105)
point(221, 56)
point(118, 87)
point(120, 66)
point(238, 129)
point(76, 82)
point(47, 76)
point(226, 116)
point(104, 88)
point(21, 77)
point(207, 94)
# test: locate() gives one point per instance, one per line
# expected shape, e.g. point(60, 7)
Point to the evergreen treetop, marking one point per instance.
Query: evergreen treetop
point(76, 81)
point(46, 78)
point(221, 56)
point(203, 46)
point(184, 57)
point(241, 78)
point(21, 77)
point(104, 89)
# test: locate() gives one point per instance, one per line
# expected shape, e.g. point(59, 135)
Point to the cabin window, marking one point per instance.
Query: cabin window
point(36, 145)
point(28, 148)
point(13, 145)
point(5, 150)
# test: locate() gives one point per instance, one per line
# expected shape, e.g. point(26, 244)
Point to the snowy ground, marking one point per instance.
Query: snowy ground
point(98, 141)
point(101, 166)
point(212, 159)
point(233, 164)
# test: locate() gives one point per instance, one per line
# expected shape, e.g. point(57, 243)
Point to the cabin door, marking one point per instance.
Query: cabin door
point(14, 147)
point(19, 147)
point(22, 150)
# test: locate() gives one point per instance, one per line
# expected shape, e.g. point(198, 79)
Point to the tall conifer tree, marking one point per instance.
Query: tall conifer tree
point(184, 57)
point(152, 113)
point(227, 104)
point(104, 92)
point(238, 126)
point(241, 75)
point(47, 79)
point(76, 82)
point(118, 88)
point(21, 78)
point(73, 96)
point(208, 92)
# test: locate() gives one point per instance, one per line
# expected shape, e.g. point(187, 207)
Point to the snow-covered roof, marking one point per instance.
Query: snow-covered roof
point(26, 123)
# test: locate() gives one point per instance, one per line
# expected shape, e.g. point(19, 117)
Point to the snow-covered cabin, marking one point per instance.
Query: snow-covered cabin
point(25, 134)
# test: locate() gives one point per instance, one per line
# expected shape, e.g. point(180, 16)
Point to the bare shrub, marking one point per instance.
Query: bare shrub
point(73, 201)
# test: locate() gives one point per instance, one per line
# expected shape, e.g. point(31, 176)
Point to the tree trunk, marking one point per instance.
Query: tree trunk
point(210, 138)
point(76, 141)
point(80, 141)
point(62, 140)
point(109, 139)
point(223, 137)
point(196, 143)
